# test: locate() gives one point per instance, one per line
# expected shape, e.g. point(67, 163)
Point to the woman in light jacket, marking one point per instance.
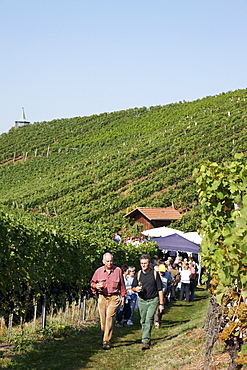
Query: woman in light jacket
point(185, 283)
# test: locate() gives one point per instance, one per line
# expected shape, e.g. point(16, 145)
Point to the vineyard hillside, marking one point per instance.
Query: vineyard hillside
point(93, 170)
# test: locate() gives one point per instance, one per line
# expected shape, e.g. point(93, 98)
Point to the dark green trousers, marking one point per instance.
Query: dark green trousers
point(147, 310)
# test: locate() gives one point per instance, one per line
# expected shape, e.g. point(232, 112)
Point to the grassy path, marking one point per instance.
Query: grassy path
point(178, 343)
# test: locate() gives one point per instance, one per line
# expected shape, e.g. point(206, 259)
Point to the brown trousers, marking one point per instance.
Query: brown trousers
point(107, 306)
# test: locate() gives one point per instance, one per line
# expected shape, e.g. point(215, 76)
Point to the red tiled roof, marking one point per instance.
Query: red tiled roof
point(168, 213)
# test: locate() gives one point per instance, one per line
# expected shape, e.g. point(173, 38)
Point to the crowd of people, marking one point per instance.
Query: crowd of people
point(179, 278)
point(136, 241)
point(123, 290)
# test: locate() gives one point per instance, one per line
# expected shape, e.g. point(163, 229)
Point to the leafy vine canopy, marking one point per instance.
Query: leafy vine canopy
point(223, 197)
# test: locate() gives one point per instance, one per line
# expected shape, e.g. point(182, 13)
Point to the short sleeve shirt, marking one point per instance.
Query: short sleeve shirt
point(150, 285)
point(113, 281)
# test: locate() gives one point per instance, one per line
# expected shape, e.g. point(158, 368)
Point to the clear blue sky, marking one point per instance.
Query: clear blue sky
point(69, 58)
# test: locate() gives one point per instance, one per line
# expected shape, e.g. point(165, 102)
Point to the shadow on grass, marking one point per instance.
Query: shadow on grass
point(170, 324)
point(73, 352)
point(126, 343)
point(200, 298)
point(167, 337)
point(76, 350)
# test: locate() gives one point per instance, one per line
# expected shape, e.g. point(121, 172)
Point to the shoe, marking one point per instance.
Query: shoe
point(157, 325)
point(129, 322)
point(145, 346)
point(118, 324)
point(106, 346)
point(125, 323)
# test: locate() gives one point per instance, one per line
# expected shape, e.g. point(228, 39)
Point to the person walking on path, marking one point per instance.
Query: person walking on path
point(176, 278)
point(130, 294)
point(124, 311)
point(166, 279)
point(108, 282)
point(193, 280)
point(147, 283)
point(185, 280)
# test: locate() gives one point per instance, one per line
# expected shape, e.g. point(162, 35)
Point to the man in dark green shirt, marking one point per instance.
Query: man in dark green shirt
point(147, 283)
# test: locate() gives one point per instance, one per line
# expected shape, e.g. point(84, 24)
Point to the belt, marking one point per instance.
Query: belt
point(109, 295)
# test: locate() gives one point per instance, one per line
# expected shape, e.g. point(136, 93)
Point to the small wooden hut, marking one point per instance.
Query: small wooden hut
point(153, 217)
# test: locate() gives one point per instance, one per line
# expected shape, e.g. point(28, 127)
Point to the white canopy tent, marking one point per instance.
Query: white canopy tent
point(164, 231)
point(193, 237)
point(158, 232)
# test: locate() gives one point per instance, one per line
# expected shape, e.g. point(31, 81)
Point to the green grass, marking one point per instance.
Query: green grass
point(177, 343)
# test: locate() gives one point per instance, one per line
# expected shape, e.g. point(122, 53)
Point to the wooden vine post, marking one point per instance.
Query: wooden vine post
point(35, 307)
point(43, 321)
point(10, 326)
point(224, 255)
point(66, 313)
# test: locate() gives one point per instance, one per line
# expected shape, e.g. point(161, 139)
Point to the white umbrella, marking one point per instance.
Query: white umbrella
point(162, 231)
point(193, 237)
point(158, 232)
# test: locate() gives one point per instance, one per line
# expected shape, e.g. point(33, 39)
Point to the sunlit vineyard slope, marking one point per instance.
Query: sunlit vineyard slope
point(88, 170)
